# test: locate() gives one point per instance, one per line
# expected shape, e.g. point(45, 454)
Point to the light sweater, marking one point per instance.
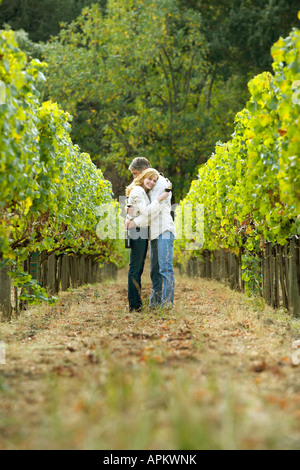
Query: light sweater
point(141, 205)
point(158, 218)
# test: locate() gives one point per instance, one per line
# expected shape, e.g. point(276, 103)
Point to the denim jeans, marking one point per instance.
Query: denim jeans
point(139, 247)
point(162, 273)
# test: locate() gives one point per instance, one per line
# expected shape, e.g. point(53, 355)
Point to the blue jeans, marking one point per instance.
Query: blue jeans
point(138, 253)
point(162, 273)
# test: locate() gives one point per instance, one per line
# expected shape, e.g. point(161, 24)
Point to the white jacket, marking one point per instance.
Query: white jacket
point(141, 204)
point(158, 218)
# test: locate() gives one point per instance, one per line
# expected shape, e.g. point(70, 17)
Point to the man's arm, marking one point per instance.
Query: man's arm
point(161, 185)
point(159, 188)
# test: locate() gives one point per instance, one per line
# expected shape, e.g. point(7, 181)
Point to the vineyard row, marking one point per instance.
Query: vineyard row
point(55, 273)
point(250, 187)
point(279, 282)
point(50, 190)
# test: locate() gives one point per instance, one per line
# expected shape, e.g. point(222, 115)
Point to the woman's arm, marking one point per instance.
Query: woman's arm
point(138, 200)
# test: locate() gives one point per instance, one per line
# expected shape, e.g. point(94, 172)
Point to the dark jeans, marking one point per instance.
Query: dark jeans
point(139, 247)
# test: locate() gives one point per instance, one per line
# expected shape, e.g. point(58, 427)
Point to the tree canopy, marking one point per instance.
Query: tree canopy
point(139, 81)
point(160, 79)
point(240, 33)
point(41, 18)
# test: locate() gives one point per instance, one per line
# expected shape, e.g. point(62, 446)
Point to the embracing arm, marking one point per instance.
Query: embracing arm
point(146, 210)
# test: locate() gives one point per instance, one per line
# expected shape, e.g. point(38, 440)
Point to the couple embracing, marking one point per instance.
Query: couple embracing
point(149, 218)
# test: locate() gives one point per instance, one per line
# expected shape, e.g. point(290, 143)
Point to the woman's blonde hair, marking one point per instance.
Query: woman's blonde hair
point(148, 173)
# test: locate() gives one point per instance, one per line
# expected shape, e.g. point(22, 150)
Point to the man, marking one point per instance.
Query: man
point(162, 234)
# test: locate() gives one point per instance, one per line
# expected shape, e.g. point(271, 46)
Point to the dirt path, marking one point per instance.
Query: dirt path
point(215, 373)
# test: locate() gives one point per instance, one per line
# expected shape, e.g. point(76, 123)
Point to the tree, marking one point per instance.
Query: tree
point(160, 79)
point(41, 18)
point(240, 33)
point(138, 82)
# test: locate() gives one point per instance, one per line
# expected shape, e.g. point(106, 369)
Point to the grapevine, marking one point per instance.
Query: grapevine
point(50, 190)
point(250, 187)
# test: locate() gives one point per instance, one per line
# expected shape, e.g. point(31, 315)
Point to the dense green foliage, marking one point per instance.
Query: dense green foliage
point(50, 190)
point(180, 71)
point(156, 78)
point(41, 19)
point(161, 79)
point(138, 82)
point(240, 33)
point(250, 187)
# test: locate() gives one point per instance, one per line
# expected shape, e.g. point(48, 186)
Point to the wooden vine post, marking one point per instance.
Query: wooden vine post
point(5, 293)
point(294, 277)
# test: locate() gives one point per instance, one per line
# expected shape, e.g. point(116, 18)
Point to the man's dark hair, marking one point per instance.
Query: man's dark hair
point(139, 163)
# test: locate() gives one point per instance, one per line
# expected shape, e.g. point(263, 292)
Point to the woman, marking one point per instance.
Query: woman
point(137, 197)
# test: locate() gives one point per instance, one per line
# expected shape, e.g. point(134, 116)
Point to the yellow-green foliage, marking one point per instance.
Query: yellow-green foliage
point(250, 187)
point(50, 190)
